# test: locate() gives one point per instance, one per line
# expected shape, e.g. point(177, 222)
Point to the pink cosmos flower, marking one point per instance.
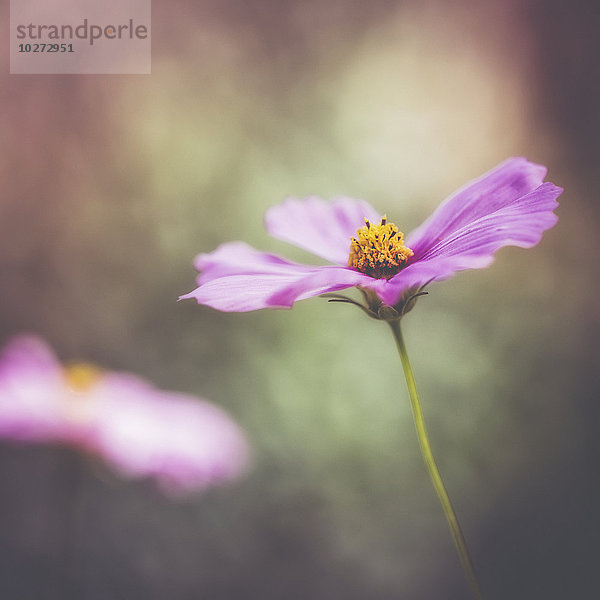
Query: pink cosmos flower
point(509, 205)
point(181, 441)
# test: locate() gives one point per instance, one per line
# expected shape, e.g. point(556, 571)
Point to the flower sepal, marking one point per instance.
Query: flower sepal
point(384, 312)
point(375, 308)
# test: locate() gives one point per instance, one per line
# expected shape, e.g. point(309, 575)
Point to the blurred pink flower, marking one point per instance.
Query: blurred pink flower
point(510, 205)
point(183, 442)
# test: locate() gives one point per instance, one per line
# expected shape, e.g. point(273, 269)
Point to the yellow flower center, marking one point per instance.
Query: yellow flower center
point(81, 377)
point(79, 407)
point(379, 250)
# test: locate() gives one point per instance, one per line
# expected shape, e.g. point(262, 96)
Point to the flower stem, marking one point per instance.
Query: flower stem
point(434, 474)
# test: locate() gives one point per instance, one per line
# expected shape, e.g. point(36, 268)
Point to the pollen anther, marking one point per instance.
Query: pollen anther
point(379, 250)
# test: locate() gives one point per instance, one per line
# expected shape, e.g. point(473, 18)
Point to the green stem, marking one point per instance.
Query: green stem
point(434, 474)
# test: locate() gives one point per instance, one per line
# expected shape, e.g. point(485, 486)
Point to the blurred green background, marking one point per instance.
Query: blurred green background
point(111, 184)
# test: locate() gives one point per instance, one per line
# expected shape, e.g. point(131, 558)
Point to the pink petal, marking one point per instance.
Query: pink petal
point(243, 293)
point(322, 280)
point(27, 354)
point(238, 278)
point(238, 258)
point(183, 442)
point(321, 227)
point(472, 246)
point(31, 386)
point(521, 223)
point(499, 188)
point(421, 273)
